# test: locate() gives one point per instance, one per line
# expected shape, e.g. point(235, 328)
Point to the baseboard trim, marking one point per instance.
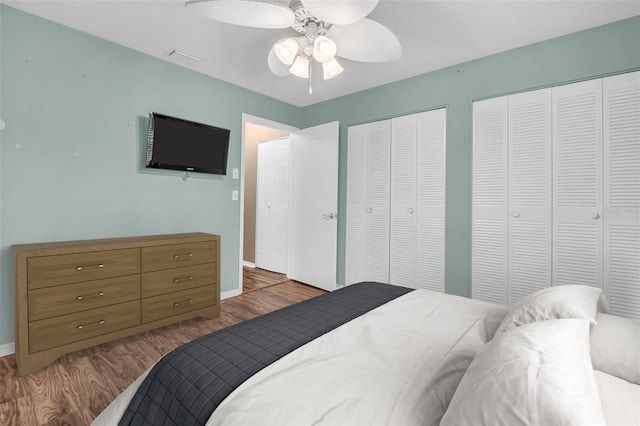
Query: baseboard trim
point(249, 264)
point(7, 349)
point(230, 293)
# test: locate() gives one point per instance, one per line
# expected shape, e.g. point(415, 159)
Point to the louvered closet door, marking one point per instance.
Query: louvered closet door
point(578, 185)
point(489, 201)
point(431, 127)
point(263, 217)
point(355, 256)
point(402, 251)
point(272, 219)
point(378, 142)
point(622, 193)
point(280, 205)
point(530, 198)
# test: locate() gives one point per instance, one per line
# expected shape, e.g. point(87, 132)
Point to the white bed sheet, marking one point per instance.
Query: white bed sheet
point(397, 364)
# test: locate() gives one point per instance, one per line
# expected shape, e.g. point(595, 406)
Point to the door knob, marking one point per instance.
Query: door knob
point(370, 210)
point(329, 216)
point(594, 215)
point(410, 211)
point(515, 213)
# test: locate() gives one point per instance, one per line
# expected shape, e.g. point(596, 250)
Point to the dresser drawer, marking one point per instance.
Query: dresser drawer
point(176, 255)
point(69, 298)
point(48, 271)
point(166, 305)
point(170, 280)
point(52, 332)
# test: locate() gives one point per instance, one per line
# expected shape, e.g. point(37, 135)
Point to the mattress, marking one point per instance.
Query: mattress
point(412, 351)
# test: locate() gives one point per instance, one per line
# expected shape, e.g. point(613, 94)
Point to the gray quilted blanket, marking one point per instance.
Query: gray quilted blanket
point(187, 384)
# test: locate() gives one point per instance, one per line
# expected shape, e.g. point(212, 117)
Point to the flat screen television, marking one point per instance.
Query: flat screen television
point(177, 144)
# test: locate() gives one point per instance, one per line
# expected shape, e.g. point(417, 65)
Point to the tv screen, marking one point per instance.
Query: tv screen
point(176, 144)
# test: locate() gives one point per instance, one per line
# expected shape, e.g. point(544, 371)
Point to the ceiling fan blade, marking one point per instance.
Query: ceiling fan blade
point(247, 13)
point(341, 12)
point(366, 41)
point(276, 66)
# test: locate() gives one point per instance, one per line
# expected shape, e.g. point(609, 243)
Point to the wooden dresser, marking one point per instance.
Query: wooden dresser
point(76, 294)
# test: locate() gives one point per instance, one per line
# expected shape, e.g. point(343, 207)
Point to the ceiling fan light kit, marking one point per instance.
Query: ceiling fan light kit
point(329, 28)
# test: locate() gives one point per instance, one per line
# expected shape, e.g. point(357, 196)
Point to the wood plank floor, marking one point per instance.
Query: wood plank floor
point(77, 387)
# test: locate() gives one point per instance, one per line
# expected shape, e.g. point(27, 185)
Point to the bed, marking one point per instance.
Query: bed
point(374, 353)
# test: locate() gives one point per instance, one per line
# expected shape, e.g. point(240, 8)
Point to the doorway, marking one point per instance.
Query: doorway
point(313, 217)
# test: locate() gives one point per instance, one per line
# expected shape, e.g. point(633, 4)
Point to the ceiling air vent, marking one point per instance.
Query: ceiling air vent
point(181, 56)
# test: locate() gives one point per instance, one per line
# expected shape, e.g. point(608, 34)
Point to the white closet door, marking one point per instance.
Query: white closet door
point(529, 193)
point(263, 193)
point(378, 142)
point(489, 201)
point(272, 220)
point(431, 136)
point(578, 186)
point(622, 193)
point(402, 251)
point(280, 205)
point(355, 252)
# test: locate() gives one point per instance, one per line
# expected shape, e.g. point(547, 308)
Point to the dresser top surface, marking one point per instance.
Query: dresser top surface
point(62, 247)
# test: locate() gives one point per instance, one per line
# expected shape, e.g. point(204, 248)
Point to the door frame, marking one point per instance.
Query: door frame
point(259, 121)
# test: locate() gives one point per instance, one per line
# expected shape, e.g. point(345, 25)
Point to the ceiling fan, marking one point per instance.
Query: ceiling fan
point(327, 28)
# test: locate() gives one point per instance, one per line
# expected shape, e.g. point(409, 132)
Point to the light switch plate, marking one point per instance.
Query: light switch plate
point(234, 195)
point(236, 174)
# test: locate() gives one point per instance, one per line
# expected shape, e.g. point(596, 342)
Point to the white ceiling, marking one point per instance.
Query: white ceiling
point(434, 35)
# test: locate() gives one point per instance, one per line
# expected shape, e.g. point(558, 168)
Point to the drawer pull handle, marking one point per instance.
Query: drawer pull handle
point(178, 256)
point(187, 302)
point(177, 280)
point(90, 295)
point(81, 326)
point(80, 268)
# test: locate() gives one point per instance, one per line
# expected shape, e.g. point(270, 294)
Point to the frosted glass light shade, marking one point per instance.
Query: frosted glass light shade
point(286, 50)
point(324, 49)
point(300, 67)
point(276, 66)
point(331, 69)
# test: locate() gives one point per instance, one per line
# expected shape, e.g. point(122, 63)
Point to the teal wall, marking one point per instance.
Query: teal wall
point(71, 155)
point(75, 108)
point(596, 52)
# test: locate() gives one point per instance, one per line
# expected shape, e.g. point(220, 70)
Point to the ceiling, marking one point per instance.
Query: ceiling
point(434, 35)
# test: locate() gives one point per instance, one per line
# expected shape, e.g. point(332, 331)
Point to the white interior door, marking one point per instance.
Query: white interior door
point(272, 219)
point(489, 238)
point(356, 243)
point(402, 238)
point(577, 184)
point(529, 193)
point(313, 223)
point(622, 193)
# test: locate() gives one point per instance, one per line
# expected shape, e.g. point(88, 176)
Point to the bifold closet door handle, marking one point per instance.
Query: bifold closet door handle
point(369, 210)
point(515, 213)
point(594, 215)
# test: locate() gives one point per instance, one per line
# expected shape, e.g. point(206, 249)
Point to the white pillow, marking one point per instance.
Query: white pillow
point(615, 347)
point(564, 301)
point(620, 399)
point(536, 374)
